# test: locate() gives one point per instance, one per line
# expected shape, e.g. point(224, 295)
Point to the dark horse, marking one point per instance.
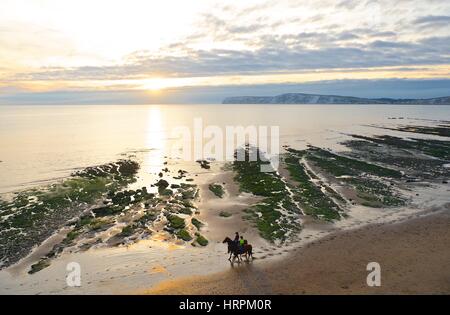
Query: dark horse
point(236, 251)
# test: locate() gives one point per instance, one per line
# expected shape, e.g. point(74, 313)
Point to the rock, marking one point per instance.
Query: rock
point(184, 235)
point(202, 241)
point(43, 263)
point(162, 184)
point(127, 231)
point(225, 214)
point(197, 223)
point(217, 190)
point(176, 222)
point(166, 192)
point(121, 198)
point(204, 164)
point(186, 210)
point(169, 229)
point(106, 211)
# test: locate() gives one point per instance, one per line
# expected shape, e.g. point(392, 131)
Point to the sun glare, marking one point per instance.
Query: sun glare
point(155, 85)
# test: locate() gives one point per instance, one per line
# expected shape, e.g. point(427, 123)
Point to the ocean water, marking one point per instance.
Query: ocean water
point(39, 144)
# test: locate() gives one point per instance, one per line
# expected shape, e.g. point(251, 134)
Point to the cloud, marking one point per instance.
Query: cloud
point(433, 19)
point(279, 54)
point(433, 22)
point(348, 4)
point(267, 37)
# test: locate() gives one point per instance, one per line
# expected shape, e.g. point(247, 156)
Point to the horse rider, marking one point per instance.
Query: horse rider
point(236, 238)
point(241, 243)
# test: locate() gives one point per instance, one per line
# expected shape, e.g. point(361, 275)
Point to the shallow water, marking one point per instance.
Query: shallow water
point(41, 143)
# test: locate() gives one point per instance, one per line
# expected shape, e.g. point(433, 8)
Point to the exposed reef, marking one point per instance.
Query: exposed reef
point(217, 189)
point(35, 214)
point(276, 216)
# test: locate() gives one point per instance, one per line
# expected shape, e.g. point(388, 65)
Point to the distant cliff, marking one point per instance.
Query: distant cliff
point(301, 98)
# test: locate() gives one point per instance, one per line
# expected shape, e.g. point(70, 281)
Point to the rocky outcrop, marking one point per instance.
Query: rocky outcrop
point(301, 98)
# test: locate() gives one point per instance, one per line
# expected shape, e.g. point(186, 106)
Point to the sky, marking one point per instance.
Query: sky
point(139, 51)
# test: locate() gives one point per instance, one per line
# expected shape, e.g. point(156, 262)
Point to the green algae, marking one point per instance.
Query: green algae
point(35, 214)
point(269, 217)
point(201, 240)
point(176, 222)
point(311, 198)
point(184, 235)
point(197, 223)
point(217, 190)
point(435, 148)
point(225, 214)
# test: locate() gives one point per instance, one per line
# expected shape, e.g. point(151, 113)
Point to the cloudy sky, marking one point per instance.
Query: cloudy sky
point(140, 51)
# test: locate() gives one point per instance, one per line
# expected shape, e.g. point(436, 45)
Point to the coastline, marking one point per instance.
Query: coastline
point(413, 256)
point(367, 176)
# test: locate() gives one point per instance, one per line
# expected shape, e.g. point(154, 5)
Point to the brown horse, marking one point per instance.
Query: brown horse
point(237, 251)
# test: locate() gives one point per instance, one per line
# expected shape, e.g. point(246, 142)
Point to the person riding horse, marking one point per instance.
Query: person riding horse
point(236, 250)
point(236, 237)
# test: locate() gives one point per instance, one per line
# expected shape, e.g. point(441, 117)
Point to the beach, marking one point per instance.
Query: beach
point(137, 218)
point(224, 148)
point(413, 256)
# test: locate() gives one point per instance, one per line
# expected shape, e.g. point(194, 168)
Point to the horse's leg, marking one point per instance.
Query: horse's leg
point(250, 251)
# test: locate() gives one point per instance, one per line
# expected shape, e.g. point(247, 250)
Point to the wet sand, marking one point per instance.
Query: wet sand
point(414, 258)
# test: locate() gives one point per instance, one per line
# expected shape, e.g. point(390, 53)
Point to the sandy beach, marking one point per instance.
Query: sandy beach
point(224, 148)
point(344, 195)
point(413, 255)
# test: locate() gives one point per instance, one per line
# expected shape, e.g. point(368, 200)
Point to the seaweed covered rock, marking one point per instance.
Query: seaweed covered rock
point(37, 213)
point(184, 235)
point(197, 223)
point(162, 184)
point(176, 222)
point(201, 240)
point(204, 164)
point(217, 190)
